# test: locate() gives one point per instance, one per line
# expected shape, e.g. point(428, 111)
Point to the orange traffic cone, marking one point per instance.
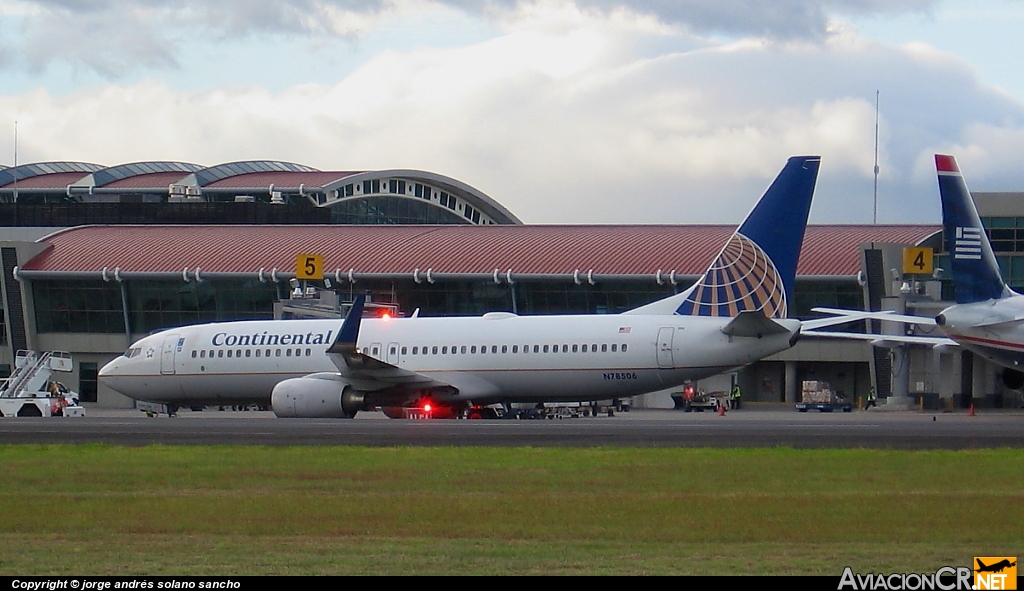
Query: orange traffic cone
point(721, 410)
point(970, 411)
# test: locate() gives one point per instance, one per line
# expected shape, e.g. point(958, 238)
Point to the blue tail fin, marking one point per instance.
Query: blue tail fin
point(756, 268)
point(976, 275)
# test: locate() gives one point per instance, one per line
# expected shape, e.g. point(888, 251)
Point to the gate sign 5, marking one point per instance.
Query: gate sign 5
point(311, 266)
point(917, 261)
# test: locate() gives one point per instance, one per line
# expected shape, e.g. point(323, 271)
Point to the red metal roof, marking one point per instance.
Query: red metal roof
point(688, 250)
point(283, 179)
point(56, 181)
point(153, 180)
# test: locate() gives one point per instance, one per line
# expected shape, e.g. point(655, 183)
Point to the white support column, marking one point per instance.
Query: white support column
point(791, 386)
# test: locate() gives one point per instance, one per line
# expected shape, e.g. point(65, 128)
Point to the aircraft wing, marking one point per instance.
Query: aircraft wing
point(371, 373)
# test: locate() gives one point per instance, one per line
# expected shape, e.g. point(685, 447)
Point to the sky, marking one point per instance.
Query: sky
point(564, 111)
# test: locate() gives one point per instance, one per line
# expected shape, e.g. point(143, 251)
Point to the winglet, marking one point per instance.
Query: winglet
point(976, 276)
point(350, 328)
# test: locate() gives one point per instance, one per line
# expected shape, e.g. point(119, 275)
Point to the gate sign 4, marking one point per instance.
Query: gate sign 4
point(917, 261)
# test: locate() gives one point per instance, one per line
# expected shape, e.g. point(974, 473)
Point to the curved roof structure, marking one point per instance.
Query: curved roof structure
point(59, 174)
point(448, 252)
point(346, 192)
point(213, 174)
point(107, 176)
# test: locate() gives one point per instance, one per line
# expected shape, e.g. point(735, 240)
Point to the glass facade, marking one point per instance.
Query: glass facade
point(1007, 238)
point(78, 306)
point(602, 298)
point(154, 305)
point(88, 379)
point(847, 295)
point(391, 210)
point(473, 298)
point(95, 306)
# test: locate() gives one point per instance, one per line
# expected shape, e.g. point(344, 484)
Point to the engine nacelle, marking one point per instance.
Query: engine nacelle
point(319, 395)
point(1013, 379)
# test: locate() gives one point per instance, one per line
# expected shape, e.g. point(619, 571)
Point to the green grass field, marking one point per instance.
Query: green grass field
point(96, 509)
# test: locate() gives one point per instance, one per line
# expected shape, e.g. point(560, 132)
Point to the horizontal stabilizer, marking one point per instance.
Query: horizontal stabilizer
point(882, 340)
point(843, 316)
point(751, 323)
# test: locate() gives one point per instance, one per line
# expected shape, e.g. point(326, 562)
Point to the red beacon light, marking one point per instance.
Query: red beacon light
point(381, 312)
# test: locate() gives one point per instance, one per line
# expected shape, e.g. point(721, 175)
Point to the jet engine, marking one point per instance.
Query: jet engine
point(318, 395)
point(1013, 379)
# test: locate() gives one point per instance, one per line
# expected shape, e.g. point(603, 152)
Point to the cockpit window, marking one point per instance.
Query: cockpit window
point(133, 352)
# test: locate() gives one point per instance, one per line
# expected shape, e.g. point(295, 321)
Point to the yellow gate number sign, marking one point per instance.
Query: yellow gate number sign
point(917, 261)
point(309, 266)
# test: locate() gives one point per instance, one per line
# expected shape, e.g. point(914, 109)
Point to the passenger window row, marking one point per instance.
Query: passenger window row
point(495, 349)
point(201, 354)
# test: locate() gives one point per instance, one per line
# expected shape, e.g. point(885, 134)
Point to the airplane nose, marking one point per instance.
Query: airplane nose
point(110, 374)
point(109, 369)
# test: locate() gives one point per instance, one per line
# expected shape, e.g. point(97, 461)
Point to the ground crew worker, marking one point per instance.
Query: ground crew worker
point(871, 399)
point(735, 396)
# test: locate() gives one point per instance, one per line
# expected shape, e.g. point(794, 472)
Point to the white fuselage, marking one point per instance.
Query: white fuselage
point(497, 357)
point(992, 329)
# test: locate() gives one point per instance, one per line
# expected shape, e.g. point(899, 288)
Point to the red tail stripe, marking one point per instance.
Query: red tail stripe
point(945, 163)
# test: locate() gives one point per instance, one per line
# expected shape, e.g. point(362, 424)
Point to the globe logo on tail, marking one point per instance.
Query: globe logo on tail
point(741, 278)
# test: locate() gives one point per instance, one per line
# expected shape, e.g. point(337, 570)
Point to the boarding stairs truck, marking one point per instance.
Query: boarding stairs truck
point(818, 395)
point(32, 391)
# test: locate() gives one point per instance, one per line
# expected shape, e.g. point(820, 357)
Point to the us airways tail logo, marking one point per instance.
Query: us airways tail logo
point(741, 278)
point(968, 243)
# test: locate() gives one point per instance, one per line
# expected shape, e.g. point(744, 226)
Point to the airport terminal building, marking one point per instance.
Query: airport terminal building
point(95, 257)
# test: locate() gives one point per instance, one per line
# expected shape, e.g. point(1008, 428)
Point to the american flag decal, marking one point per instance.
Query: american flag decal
point(967, 244)
point(624, 329)
point(741, 278)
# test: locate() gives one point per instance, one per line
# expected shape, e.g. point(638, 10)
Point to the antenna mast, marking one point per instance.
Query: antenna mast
point(874, 217)
point(14, 172)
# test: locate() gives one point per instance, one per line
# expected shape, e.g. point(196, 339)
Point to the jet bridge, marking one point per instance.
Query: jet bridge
point(31, 390)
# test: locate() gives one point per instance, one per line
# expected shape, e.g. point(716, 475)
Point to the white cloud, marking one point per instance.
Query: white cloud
point(114, 39)
point(586, 116)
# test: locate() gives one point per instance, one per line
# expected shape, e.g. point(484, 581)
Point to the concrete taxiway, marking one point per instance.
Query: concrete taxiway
point(766, 426)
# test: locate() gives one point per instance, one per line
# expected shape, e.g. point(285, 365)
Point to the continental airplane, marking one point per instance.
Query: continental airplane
point(988, 317)
point(734, 315)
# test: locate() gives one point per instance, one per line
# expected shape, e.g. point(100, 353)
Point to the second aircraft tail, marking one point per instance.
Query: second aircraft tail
point(976, 276)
